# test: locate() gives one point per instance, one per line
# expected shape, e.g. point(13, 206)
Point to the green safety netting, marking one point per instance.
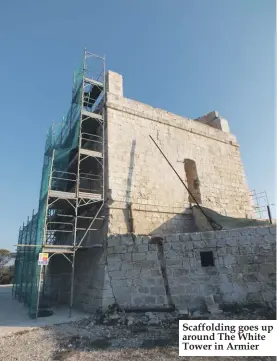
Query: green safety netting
point(61, 140)
point(25, 281)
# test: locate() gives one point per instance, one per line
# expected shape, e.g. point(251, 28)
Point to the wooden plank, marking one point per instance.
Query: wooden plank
point(91, 153)
point(60, 194)
point(86, 195)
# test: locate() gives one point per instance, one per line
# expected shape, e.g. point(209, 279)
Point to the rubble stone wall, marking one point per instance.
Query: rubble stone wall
point(56, 286)
point(132, 271)
point(137, 173)
point(244, 268)
point(92, 288)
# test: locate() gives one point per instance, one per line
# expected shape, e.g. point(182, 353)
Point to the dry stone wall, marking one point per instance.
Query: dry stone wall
point(145, 272)
point(135, 272)
point(244, 268)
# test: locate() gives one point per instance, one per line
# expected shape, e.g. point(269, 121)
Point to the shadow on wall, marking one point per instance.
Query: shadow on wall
point(130, 172)
point(89, 279)
point(179, 223)
point(89, 282)
point(226, 222)
point(56, 287)
point(191, 220)
point(128, 212)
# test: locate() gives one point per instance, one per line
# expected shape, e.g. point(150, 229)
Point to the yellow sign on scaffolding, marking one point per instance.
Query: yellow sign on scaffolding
point(43, 259)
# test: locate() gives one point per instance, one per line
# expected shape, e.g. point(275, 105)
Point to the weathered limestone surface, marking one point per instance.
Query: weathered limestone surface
point(137, 172)
point(128, 271)
point(213, 119)
point(135, 272)
point(244, 271)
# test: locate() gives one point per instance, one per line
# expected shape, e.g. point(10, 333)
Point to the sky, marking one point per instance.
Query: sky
point(186, 56)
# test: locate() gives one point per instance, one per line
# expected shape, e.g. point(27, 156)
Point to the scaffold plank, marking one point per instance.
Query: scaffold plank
point(91, 153)
point(60, 194)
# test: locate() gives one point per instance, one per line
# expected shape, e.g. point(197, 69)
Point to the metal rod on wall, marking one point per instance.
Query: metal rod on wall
point(269, 214)
point(214, 224)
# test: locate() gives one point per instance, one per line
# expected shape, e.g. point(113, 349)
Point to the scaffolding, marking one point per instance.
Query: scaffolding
point(261, 206)
point(72, 192)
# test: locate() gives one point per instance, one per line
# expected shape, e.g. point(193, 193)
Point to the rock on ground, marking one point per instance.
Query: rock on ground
point(113, 335)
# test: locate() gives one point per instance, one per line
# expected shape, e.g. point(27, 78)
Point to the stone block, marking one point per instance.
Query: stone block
point(174, 263)
point(229, 260)
point(180, 272)
point(137, 265)
point(126, 240)
point(114, 241)
point(127, 283)
point(188, 246)
point(113, 258)
point(167, 246)
point(185, 237)
point(176, 300)
point(254, 287)
point(114, 266)
point(150, 300)
point(232, 242)
point(117, 274)
point(139, 240)
point(197, 236)
point(226, 288)
point(176, 246)
point(221, 243)
point(133, 274)
point(156, 273)
point(152, 247)
point(106, 302)
point(138, 257)
point(222, 252)
point(184, 302)
point(110, 250)
point(143, 248)
point(143, 289)
point(148, 264)
point(171, 254)
point(126, 266)
point(138, 281)
point(263, 230)
point(255, 297)
point(146, 239)
point(157, 290)
point(199, 244)
point(268, 296)
point(179, 290)
point(150, 281)
point(137, 301)
point(120, 249)
point(126, 257)
point(221, 234)
point(117, 283)
point(272, 230)
point(151, 256)
point(161, 300)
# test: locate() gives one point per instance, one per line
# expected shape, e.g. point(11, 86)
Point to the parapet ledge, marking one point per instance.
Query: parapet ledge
point(211, 125)
point(213, 119)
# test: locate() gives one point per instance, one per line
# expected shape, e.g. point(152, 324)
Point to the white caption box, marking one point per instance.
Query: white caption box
point(228, 338)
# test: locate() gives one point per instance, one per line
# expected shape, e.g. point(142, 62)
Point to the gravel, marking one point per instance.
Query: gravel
point(100, 343)
point(112, 336)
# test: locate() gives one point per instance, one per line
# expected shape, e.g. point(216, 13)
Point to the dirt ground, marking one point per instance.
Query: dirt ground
point(81, 341)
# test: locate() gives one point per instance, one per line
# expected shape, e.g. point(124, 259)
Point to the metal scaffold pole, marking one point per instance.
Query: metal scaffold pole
point(72, 186)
